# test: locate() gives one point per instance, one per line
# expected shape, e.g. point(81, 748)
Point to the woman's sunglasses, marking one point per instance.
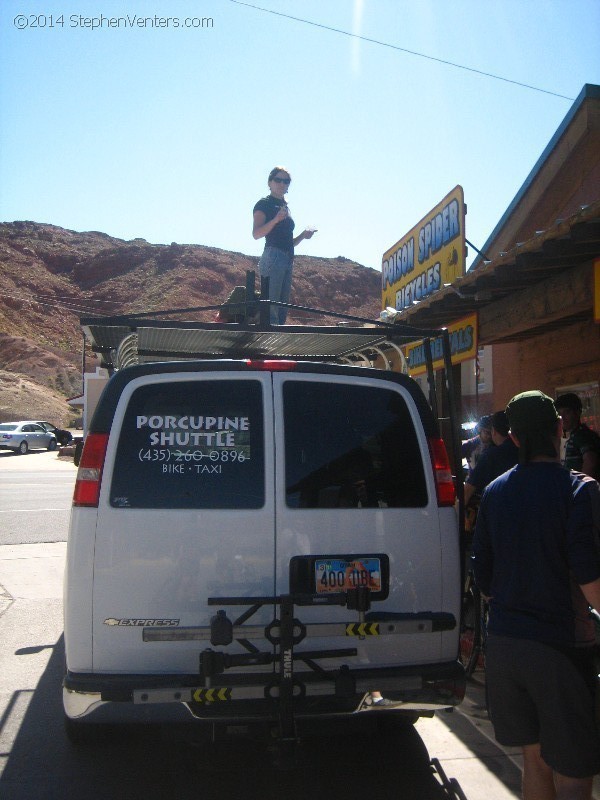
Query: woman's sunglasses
point(287, 181)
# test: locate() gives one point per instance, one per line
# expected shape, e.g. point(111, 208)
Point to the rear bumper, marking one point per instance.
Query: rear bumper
point(255, 697)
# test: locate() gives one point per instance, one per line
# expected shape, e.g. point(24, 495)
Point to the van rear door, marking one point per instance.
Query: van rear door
point(215, 481)
point(356, 479)
point(186, 511)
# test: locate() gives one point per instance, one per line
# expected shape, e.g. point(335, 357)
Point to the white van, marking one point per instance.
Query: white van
point(261, 541)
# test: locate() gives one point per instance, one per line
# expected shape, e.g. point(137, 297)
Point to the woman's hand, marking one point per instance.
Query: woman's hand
point(307, 233)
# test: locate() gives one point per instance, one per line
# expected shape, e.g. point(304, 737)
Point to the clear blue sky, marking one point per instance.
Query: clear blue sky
point(169, 133)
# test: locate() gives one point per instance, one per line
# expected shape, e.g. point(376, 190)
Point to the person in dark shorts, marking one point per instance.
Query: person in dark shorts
point(582, 451)
point(534, 557)
point(272, 219)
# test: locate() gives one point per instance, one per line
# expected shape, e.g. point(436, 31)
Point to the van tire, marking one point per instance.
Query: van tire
point(84, 733)
point(397, 720)
point(77, 733)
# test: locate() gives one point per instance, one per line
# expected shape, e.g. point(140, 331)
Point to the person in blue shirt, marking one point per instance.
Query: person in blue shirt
point(474, 448)
point(535, 559)
point(502, 455)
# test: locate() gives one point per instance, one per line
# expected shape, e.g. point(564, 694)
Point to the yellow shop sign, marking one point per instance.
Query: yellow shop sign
point(431, 254)
point(463, 346)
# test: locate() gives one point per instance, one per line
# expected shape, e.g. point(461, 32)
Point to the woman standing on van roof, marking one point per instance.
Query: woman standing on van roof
point(272, 220)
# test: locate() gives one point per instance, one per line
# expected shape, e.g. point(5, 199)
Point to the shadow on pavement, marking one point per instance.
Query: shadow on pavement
point(150, 763)
point(471, 725)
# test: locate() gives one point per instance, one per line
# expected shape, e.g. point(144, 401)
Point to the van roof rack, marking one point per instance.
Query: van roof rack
point(128, 339)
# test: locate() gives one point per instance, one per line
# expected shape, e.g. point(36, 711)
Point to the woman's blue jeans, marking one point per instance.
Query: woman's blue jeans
point(277, 265)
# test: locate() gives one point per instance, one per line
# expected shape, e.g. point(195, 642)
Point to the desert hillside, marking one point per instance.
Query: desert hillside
point(50, 277)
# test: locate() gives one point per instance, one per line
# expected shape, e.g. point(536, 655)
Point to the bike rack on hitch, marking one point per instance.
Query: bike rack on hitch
point(283, 633)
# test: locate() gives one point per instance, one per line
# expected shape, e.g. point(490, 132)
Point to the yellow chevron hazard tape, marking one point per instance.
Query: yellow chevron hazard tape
point(212, 695)
point(362, 629)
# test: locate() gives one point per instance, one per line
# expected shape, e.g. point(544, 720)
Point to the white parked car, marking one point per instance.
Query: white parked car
point(24, 436)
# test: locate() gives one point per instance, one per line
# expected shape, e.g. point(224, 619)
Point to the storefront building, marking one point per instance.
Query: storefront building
point(537, 292)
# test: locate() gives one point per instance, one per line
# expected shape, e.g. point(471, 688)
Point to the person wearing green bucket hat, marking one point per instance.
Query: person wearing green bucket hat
point(535, 558)
point(533, 418)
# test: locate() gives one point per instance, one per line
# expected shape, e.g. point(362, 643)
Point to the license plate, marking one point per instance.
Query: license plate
point(340, 575)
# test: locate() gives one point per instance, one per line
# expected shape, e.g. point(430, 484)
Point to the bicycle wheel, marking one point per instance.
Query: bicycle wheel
point(483, 617)
point(470, 637)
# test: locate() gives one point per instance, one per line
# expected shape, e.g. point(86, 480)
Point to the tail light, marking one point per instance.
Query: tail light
point(444, 482)
point(89, 474)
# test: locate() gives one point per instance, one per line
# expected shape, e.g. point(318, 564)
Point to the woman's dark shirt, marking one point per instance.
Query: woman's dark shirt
point(282, 235)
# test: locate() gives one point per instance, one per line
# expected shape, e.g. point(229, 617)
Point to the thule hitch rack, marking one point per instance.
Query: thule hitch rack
point(284, 633)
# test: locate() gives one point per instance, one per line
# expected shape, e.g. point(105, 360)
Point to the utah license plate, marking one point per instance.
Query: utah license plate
point(340, 575)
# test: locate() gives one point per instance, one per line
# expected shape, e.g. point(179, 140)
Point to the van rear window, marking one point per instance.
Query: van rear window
point(350, 447)
point(191, 444)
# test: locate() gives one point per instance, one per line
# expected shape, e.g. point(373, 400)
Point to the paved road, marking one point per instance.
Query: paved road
point(38, 763)
point(35, 497)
